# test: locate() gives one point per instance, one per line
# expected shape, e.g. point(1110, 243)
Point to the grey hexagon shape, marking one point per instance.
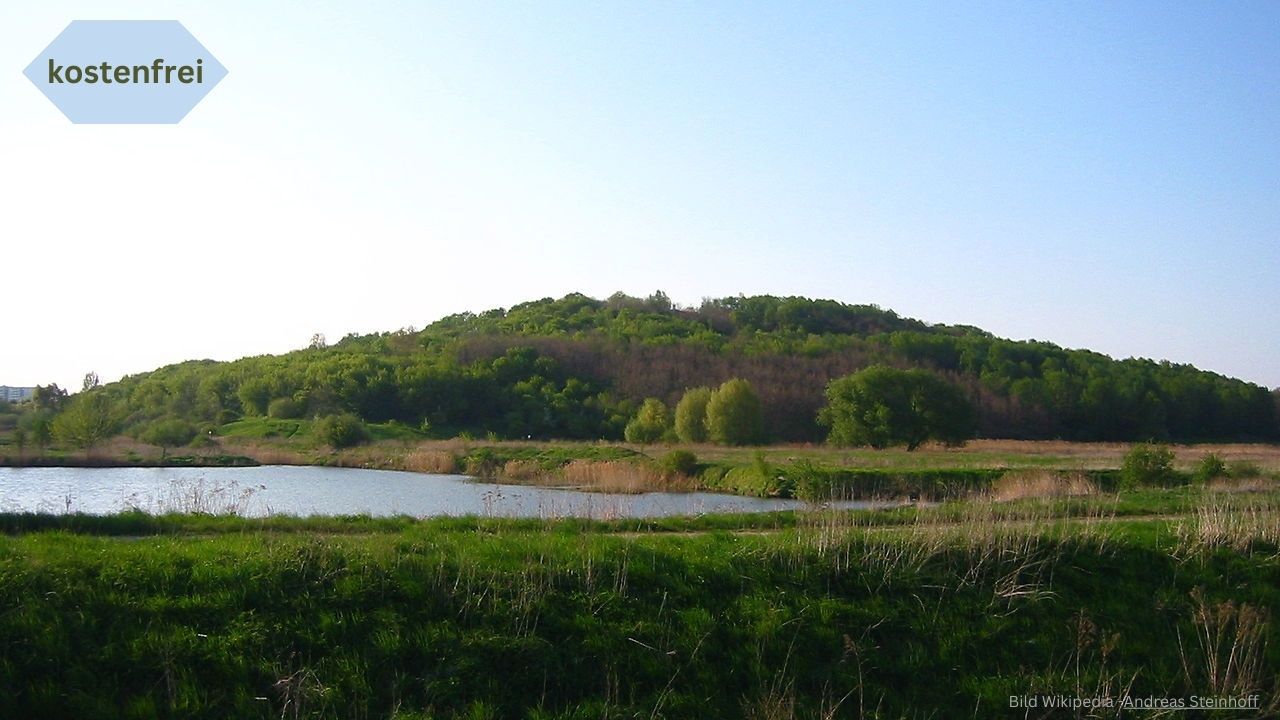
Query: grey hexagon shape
point(147, 54)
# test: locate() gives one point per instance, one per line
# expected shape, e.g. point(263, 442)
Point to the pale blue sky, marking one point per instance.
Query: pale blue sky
point(1101, 175)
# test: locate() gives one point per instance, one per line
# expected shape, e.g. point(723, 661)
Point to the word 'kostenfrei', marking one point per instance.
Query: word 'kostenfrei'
point(107, 73)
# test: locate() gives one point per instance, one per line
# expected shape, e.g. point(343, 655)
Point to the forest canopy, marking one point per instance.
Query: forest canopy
point(580, 368)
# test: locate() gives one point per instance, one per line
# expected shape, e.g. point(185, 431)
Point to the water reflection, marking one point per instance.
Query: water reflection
point(259, 491)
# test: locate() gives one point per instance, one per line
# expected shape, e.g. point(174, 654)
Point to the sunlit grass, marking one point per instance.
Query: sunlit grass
point(913, 611)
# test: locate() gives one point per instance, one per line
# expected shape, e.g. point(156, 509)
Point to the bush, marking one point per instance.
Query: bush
point(1210, 467)
point(650, 424)
point(734, 415)
point(286, 408)
point(883, 406)
point(1148, 464)
point(86, 421)
point(679, 462)
point(691, 415)
point(340, 431)
point(168, 433)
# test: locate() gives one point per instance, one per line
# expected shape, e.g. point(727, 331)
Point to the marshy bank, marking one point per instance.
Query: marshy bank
point(1004, 469)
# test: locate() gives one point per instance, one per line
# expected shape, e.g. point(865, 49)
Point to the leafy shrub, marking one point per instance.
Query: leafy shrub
point(712, 476)
point(87, 420)
point(679, 462)
point(1146, 465)
point(734, 414)
point(340, 431)
point(1211, 466)
point(691, 415)
point(286, 408)
point(882, 406)
point(650, 424)
point(168, 433)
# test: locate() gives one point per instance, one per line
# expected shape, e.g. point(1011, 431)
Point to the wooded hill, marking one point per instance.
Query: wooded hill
point(577, 367)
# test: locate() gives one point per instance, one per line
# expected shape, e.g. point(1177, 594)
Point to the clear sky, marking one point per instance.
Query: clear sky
point(1096, 174)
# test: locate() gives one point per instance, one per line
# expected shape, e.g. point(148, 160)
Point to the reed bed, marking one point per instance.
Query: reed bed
point(1245, 523)
point(1022, 484)
point(621, 476)
point(422, 460)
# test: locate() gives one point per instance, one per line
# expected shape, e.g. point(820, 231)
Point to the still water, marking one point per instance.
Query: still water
point(274, 489)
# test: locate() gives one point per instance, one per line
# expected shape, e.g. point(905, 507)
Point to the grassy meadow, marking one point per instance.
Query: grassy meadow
point(940, 611)
point(1028, 569)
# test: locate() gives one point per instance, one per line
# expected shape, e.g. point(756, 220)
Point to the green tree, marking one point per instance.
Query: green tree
point(286, 408)
point(650, 424)
point(882, 406)
point(171, 432)
point(255, 394)
point(734, 415)
point(49, 397)
point(39, 428)
point(691, 415)
point(88, 419)
point(340, 431)
point(20, 440)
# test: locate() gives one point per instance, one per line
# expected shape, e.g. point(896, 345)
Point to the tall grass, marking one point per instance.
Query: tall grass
point(1242, 522)
point(621, 476)
point(915, 612)
point(1020, 484)
point(431, 461)
point(1227, 657)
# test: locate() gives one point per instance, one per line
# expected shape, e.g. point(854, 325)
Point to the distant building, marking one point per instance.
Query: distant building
point(16, 394)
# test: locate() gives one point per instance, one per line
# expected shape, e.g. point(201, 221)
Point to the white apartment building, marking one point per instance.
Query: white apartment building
point(16, 394)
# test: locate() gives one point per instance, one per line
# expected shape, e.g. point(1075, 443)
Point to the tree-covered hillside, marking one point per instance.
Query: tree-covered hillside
point(577, 367)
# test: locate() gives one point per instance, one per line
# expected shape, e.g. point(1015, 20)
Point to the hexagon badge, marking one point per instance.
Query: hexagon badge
point(125, 71)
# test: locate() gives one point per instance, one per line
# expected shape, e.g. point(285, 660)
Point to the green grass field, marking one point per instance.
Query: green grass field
point(942, 611)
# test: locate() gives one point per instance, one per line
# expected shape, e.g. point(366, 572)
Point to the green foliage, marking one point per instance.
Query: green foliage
point(88, 419)
point(579, 368)
point(734, 415)
point(262, 427)
point(882, 406)
point(340, 431)
point(679, 462)
point(487, 461)
point(1147, 465)
point(1210, 467)
point(691, 415)
point(168, 433)
point(650, 424)
point(286, 408)
point(49, 398)
point(38, 426)
point(215, 617)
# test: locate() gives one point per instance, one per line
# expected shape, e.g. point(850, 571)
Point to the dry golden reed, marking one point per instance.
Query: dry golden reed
point(1020, 484)
point(522, 471)
point(1254, 484)
point(620, 476)
point(431, 461)
point(1241, 523)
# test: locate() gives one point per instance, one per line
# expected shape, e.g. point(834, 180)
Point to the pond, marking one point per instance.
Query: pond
point(290, 490)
